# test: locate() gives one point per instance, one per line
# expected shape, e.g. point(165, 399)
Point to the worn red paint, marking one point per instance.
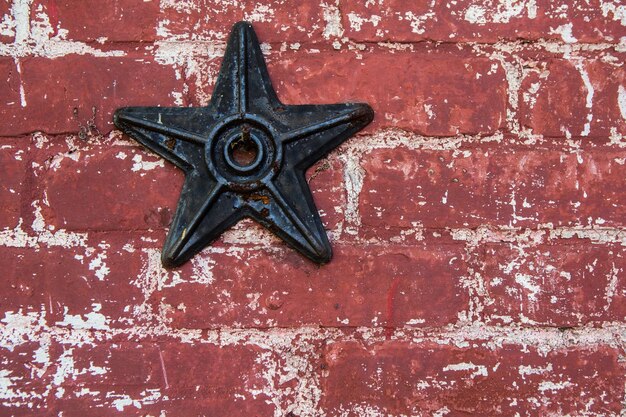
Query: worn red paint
point(398, 378)
point(53, 14)
point(484, 21)
point(477, 224)
point(391, 295)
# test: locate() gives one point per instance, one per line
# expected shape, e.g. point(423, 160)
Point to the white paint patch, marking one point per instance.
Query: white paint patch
point(141, 165)
point(417, 21)
point(566, 33)
point(475, 15)
point(621, 100)
point(7, 26)
point(91, 321)
point(332, 17)
point(99, 266)
point(554, 386)
point(356, 21)
point(589, 99)
point(260, 13)
point(20, 327)
point(202, 270)
point(616, 9)
point(33, 36)
point(529, 370)
point(501, 12)
point(479, 370)
point(353, 176)
point(611, 287)
point(526, 282)
point(18, 66)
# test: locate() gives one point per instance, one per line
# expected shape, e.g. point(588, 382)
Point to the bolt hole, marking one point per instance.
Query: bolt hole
point(243, 150)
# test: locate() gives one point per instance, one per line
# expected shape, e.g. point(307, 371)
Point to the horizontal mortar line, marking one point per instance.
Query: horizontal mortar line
point(366, 242)
point(564, 336)
point(370, 242)
point(13, 50)
point(385, 43)
point(401, 136)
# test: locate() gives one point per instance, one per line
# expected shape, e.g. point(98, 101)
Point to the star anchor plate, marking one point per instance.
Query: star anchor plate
point(244, 155)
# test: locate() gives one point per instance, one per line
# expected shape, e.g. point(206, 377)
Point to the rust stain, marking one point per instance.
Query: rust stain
point(260, 197)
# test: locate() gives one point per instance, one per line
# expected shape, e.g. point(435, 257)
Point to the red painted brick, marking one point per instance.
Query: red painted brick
point(117, 184)
point(483, 20)
point(431, 93)
point(108, 378)
point(13, 162)
point(9, 88)
point(91, 20)
point(524, 188)
point(559, 102)
point(23, 283)
point(62, 93)
point(218, 379)
point(414, 84)
point(25, 376)
point(364, 286)
point(178, 379)
point(399, 378)
point(273, 20)
point(7, 35)
point(116, 188)
point(97, 286)
point(558, 285)
point(328, 188)
point(114, 364)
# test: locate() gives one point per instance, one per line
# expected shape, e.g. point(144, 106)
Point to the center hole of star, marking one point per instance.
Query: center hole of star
point(243, 150)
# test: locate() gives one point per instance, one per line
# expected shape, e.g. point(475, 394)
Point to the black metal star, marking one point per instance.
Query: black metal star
point(244, 155)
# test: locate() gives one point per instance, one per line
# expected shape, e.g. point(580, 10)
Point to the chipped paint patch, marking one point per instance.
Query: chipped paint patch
point(477, 370)
point(93, 321)
point(140, 165)
point(34, 35)
point(621, 101)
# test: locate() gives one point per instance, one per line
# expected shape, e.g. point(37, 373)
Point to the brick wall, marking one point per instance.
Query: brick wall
point(478, 223)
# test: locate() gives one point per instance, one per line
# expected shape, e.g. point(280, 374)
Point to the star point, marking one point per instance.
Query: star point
point(244, 155)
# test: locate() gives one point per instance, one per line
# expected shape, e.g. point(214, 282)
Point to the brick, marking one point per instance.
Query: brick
point(328, 188)
point(7, 32)
point(274, 20)
point(25, 377)
point(61, 94)
point(123, 364)
point(557, 285)
point(131, 189)
point(23, 286)
point(400, 378)
point(500, 187)
point(364, 286)
point(558, 102)
point(92, 20)
point(116, 188)
point(431, 93)
point(184, 379)
point(95, 286)
point(481, 21)
point(107, 378)
point(9, 87)
point(13, 158)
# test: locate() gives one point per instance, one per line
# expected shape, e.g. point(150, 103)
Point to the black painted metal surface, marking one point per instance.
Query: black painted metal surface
point(244, 155)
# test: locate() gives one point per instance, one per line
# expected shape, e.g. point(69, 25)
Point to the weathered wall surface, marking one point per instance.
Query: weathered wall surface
point(478, 224)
